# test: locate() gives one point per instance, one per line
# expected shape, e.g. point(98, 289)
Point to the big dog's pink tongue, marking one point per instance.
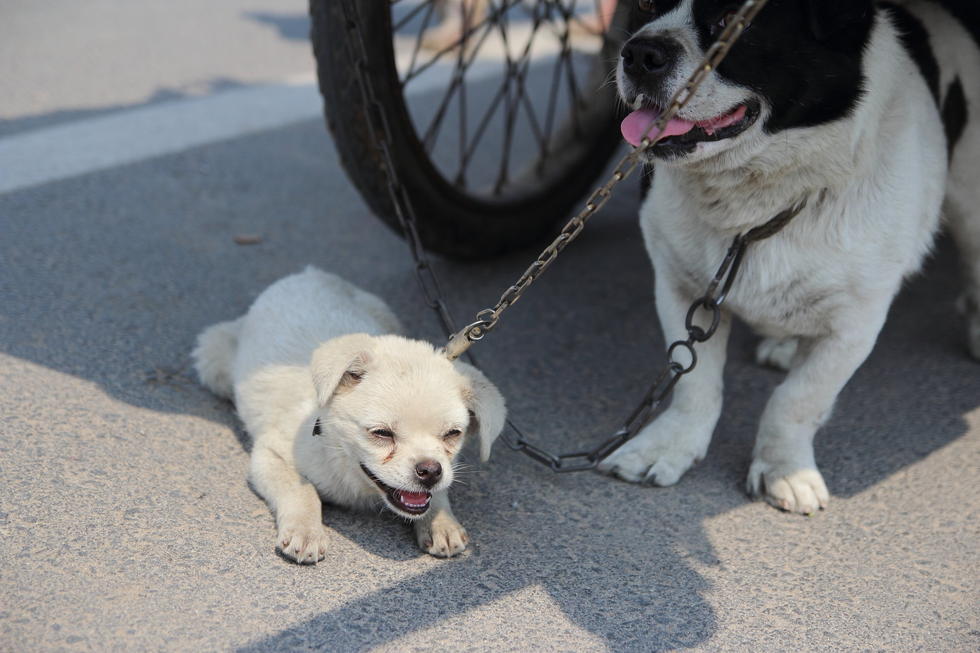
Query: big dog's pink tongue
point(635, 126)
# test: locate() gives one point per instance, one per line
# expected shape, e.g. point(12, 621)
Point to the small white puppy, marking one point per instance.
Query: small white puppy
point(338, 409)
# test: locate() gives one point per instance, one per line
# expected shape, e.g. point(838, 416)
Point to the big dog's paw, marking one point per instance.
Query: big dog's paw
point(800, 490)
point(305, 543)
point(657, 456)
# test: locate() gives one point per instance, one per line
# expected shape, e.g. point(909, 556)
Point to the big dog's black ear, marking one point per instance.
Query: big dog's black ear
point(839, 21)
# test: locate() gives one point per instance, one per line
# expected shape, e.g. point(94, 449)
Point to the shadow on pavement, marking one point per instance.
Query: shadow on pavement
point(11, 126)
point(291, 26)
point(633, 593)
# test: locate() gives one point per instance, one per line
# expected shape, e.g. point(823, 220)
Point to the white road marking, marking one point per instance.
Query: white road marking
point(128, 136)
point(120, 138)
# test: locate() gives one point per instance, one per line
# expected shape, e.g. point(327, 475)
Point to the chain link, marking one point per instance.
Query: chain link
point(487, 319)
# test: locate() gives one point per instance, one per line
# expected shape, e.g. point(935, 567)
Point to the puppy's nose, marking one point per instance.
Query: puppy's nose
point(648, 57)
point(429, 472)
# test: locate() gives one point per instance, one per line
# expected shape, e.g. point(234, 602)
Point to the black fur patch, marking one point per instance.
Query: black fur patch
point(955, 114)
point(967, 12)
point(640, 18)
point(915, 39)
point(803, 56)
point(316, 427)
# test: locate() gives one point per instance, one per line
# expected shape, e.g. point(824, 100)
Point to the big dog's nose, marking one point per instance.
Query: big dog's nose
point(429, 472)
point(647, 59)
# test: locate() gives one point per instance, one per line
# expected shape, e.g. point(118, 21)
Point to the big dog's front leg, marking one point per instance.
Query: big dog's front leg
point(678, 438)
point(783, 469)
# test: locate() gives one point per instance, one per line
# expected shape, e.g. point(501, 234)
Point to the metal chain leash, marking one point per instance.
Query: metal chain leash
point(487, 319)
point(460, 341)
point(674, 369)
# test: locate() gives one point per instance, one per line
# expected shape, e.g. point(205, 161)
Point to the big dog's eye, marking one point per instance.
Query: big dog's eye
point(723, 22)
point(454, 433)
point(383, 433)
point(647, 6)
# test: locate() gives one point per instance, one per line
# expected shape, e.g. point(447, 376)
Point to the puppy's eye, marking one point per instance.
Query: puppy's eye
point(647, 6)
point(383, 433)
point(454, 433)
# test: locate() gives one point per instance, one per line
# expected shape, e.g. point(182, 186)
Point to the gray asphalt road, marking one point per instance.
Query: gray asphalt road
point(125, 519)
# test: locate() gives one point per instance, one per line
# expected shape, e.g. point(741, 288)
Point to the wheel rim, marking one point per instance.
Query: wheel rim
point(505, 95)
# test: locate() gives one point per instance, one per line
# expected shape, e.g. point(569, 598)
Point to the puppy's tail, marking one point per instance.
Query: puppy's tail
point(213, 356)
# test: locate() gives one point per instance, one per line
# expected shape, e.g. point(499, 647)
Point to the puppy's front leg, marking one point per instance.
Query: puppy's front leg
point(678, 438)
point(783, 468)
point(438, 532)
point(295, 504)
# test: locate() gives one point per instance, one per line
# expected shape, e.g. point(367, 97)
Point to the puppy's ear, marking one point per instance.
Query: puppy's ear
point(486, 404)
point(839, 22)
point(340, 363)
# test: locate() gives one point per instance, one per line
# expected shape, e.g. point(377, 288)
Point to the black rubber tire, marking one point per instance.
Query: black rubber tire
point(450, 221)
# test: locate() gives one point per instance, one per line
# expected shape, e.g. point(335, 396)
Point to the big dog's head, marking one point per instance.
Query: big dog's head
point(400, 411)
point(798, 65)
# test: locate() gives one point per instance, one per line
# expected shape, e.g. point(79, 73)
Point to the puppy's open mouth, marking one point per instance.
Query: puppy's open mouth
point(411, 503)
point(682, 136)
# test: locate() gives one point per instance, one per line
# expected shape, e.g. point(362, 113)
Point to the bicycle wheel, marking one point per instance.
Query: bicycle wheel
point(497, 131)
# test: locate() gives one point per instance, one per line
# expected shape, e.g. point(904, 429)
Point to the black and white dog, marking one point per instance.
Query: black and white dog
point(865, 110)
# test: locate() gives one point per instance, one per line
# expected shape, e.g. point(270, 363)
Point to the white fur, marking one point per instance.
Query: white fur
point(962, 193)
point(821, 288)
point(314, 347)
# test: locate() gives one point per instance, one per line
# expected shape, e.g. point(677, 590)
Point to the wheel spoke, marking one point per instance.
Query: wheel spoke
point(462, 65)
point(532, 116)
point(431, 135)
point(460, 174)
point(482, 125)
point(529, 109)
point(515, 101)
point(411, 14)
point(524, 100)
point(491, 18)
point(553, 98)
point(575, 98)
point(418, 39)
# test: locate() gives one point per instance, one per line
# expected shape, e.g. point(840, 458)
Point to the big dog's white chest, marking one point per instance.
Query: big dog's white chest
point(810, 278)
point(781, 290)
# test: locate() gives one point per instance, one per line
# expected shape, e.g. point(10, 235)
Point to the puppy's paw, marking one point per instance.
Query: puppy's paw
point(799, 490)
point(303, 543)
point(659, 455)
point(776, 352)
point(441, 536)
